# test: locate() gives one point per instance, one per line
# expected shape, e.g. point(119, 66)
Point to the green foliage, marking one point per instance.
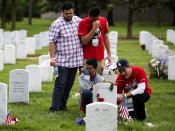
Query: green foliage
point(81, 5)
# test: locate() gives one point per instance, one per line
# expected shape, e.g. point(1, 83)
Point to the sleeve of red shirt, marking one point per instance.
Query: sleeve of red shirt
point(141, 76)
point(82, 30)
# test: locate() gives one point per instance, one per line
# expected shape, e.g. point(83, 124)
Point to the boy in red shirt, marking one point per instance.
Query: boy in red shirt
point(93, 31)
point(133, 81)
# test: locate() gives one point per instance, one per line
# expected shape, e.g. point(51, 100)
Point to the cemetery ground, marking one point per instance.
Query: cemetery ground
point(35, 115)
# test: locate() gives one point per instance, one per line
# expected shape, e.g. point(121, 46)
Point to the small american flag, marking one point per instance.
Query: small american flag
point(123, 109)
point(8, 119)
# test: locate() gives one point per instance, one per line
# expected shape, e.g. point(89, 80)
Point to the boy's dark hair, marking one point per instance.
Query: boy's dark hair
point(92, 62)
point(67, 6)
point(95, 11)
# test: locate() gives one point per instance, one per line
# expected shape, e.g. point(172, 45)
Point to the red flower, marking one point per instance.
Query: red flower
point(98, 95)
point(100, 99)
point(91, 89)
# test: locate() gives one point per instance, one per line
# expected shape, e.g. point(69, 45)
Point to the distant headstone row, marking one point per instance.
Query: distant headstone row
point(157, 49)
point(16, 45)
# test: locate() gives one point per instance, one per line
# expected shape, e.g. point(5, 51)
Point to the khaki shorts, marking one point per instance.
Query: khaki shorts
point(100, 65)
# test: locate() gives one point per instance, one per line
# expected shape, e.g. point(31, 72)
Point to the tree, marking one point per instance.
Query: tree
point(3, 13)
point(81, 6)
point(30, 12)
point(171, 5)
point(13, 15)
point(135, 6)
point(110, 14)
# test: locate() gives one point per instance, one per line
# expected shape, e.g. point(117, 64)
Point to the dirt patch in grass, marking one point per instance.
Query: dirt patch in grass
point(32, 58)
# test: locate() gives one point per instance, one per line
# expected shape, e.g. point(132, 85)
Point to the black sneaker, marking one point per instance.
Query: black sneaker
point(52, 111)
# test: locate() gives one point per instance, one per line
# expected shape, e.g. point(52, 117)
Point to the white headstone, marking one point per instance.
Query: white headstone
point(142, 37)
point(169, 35)
point(46, 69)
point(155, 45)
point(162, 51)
point(38, 45)
point(105, 91)
point(114, 51)
point(34, 78)
point(44, 38)
point(22, 35)
point(173, 37)
point(113, 36)
point(9, 54)
point(171, 67)
point(30, 41)
point(150, 46)
point(44, 60)
point(7, 38)
point(3, 103)
point(21, 51)
point(1, 60)
point(101, 116)
point(19, 86)
point(1, 39)
point(109, 75)
point(15, 36)
point(114, 58)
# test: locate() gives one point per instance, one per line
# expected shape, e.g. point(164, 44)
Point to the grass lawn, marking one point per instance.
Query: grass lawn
point(39, 25)
point(35, 116)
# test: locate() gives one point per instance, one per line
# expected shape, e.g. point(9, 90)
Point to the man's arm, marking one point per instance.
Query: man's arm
point(85, 39)
point(107, 45)
point(139, 90)
point(52, 54)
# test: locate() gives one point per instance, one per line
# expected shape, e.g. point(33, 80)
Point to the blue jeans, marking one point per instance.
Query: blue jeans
point(86, 98)
point(63, 85)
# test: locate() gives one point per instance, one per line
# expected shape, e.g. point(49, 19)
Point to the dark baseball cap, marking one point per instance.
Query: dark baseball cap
point(122, 64)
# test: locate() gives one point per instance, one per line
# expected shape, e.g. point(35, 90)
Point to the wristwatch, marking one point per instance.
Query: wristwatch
point(52, 58)
point(125, 95)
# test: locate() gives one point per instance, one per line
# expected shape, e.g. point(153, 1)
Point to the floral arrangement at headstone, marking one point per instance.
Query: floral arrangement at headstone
point(158, 68)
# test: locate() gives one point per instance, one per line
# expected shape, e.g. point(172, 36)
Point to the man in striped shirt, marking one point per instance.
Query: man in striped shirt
point(66, 52)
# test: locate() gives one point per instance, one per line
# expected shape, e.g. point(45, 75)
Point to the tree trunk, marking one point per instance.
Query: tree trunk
point(110, 16)
point(30, 12)
point(3, 14)
point(13, 15)
point(174, 17)
point(159, 16)
point(129, 29)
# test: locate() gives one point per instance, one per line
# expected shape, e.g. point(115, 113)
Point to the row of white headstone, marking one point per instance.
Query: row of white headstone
point(99, 115)
point(157, 49)
point(14, 37)
point(8, 37)
point(21, 82)
point(17, 45)
point(170, 36)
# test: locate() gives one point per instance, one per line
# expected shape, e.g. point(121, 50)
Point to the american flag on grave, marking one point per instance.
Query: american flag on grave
point(8, 119)
point(123, 109)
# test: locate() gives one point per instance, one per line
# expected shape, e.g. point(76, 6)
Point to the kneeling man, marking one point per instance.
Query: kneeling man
point(133, 81)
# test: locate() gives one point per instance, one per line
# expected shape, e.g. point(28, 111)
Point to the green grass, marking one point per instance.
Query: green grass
point(121, 27)
point(39, 25)
point(35, 116)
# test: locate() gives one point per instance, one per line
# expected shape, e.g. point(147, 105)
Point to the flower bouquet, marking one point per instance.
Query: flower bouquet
point(158, 68)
